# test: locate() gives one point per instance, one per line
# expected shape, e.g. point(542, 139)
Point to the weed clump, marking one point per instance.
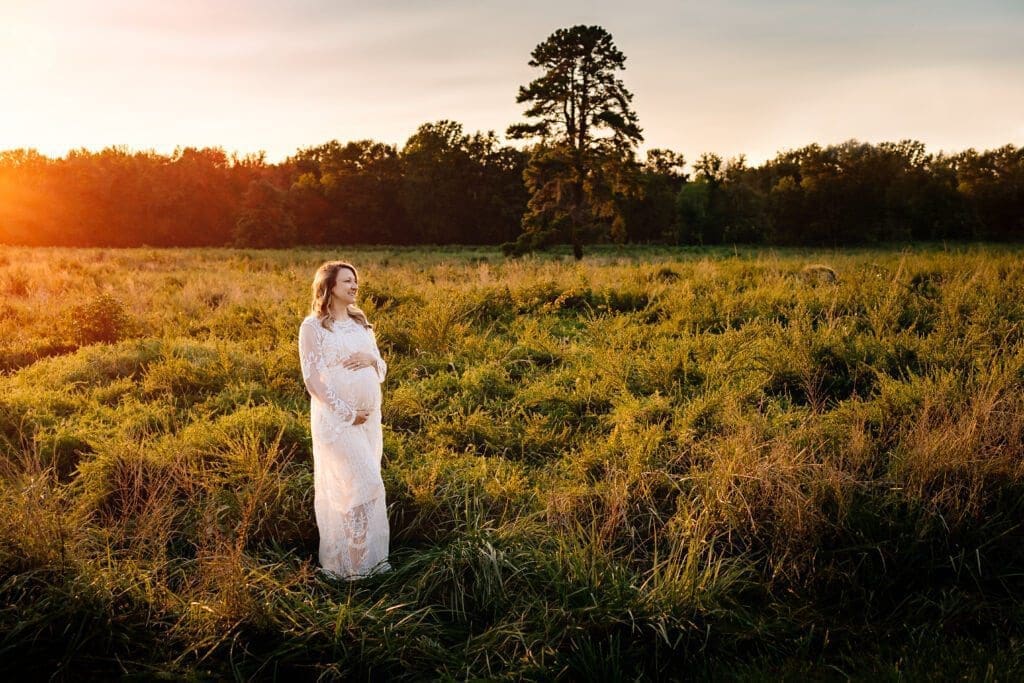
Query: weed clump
point(101, 319)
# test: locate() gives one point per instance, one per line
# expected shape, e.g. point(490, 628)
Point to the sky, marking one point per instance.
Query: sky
point(728, 77)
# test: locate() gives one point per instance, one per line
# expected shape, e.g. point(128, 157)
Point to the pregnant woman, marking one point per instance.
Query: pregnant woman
point(343, 369)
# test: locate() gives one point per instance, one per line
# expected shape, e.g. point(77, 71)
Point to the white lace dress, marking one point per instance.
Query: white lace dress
point(348, 497)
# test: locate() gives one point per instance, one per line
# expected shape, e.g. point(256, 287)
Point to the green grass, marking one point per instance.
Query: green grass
point(652, 463)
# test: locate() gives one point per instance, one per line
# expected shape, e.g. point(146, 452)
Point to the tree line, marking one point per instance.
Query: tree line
point(443, 187)
point(447, 187)
point(579, 180)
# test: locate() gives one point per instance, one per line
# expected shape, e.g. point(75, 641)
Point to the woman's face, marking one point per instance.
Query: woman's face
point(345, 287)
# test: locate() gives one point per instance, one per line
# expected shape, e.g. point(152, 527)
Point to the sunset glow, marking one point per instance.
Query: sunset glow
point(729, 77)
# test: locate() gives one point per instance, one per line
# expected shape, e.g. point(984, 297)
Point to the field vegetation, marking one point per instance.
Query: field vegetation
point(663, 463)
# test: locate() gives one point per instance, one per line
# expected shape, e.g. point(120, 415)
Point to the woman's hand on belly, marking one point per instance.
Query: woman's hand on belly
point(361, 417)
point(359, 360)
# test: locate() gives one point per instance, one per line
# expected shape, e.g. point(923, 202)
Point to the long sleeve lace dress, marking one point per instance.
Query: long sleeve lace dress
point(348, 496)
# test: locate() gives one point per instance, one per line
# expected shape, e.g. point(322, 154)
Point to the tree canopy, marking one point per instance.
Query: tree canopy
point(449, 187)
point(583, 166)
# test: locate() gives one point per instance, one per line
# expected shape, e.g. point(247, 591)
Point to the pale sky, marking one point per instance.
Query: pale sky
point(727, 77)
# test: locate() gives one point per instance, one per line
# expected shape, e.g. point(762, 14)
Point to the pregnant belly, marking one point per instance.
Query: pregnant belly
point(359, 388)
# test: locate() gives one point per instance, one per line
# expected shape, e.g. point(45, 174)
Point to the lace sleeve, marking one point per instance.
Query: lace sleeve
point(381, 365)
point(312, 360)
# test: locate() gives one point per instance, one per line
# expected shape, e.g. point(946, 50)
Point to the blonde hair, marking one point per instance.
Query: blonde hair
point(323, 286)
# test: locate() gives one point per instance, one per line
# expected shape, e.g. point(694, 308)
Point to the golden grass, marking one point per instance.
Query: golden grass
point(654, 458)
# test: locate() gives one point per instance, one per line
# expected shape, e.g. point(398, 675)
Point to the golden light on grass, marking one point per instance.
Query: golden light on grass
point(631, 442)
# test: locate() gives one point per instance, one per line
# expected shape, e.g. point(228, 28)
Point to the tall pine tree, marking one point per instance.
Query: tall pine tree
point(584, 163)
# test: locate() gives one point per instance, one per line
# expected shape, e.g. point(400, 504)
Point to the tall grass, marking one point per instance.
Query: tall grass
point(647, 464)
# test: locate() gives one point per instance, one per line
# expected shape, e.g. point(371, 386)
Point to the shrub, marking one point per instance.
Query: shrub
point(265, 425)
point(486, 382)
point(18, 356)
point(102, 318)
point(62, 450)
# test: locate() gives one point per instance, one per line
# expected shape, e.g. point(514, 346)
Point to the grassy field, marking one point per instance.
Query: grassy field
point(661, 464)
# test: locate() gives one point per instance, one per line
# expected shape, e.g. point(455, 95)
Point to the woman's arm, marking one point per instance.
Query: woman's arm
point(312, 362)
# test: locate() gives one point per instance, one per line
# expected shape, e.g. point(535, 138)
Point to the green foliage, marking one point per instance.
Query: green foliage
point(460, 188)
point(102, 318)
point(577, 178)
point(735, 463)
point(449, 187)
point(264, 220)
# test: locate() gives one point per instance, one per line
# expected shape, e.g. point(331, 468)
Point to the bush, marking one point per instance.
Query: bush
point(101, 319)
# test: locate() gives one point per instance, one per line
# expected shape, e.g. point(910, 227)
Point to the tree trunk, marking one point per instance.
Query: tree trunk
point(577, 207)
